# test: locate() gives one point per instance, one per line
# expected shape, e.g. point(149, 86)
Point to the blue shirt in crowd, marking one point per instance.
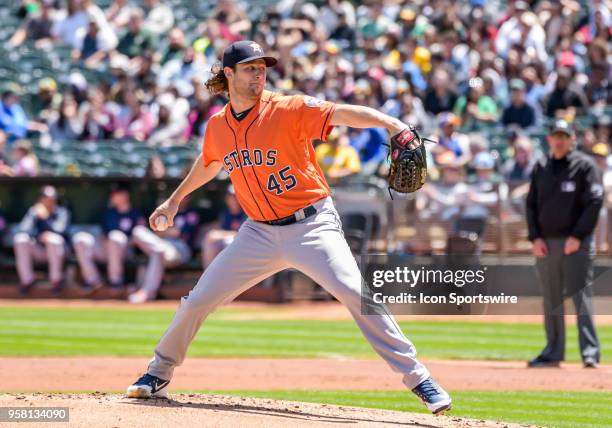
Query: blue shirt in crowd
point(13, 121)
point(369, 144)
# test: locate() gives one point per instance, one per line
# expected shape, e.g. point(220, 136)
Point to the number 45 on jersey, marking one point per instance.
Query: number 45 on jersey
point(281, 181)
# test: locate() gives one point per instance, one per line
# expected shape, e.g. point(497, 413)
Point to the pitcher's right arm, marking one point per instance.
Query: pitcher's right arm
point(198, 176)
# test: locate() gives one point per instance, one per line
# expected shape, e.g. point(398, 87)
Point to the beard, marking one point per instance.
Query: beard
point(256, 91)
point(251, 91)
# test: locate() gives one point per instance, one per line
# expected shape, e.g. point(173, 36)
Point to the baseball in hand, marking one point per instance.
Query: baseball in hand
point(161, 223)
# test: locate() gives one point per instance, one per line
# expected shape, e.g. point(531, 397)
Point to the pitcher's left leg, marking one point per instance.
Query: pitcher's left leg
point(325, 256)
point(329, 262)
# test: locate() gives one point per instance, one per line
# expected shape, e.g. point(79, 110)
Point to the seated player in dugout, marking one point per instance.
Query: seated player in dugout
point(264, 142)
point(41, 237)
point(118, 223)
point(222, 232)
point(169, 248)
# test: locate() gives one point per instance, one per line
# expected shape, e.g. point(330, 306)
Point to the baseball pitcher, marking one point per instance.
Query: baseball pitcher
point(263, 140)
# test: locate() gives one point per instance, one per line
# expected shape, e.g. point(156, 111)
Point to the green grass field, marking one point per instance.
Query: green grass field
point(134, 332)
point(561, 409)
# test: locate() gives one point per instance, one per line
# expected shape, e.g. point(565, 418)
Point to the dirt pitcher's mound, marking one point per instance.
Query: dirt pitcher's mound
point(102, 410)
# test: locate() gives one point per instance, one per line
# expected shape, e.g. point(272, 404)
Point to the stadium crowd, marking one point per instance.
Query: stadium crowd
point(452, 68)
point(486, 79)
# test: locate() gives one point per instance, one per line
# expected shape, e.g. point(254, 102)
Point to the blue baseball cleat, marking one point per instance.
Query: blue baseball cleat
point(433, 396)
point(148, 386)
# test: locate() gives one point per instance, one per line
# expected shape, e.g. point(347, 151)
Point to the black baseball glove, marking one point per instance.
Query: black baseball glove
point(408, 169)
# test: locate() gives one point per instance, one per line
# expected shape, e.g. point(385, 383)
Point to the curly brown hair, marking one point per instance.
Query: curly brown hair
point(218, 83)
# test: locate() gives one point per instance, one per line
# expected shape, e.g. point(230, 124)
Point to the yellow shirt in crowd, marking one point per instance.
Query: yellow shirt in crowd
point(337, 160)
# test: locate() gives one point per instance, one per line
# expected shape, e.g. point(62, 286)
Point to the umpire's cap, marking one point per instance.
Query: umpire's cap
point(561, 126)
point(245, 51)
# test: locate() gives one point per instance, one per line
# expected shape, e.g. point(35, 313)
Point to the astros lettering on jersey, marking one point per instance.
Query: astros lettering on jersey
point(269, 154)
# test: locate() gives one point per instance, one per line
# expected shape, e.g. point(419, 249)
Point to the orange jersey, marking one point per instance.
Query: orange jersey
point(269, 154)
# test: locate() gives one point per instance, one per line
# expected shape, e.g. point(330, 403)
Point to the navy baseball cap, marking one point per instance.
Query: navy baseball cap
point(120, 187)
point(245, 51)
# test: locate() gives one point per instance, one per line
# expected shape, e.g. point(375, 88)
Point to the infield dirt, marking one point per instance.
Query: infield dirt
point(105, 410)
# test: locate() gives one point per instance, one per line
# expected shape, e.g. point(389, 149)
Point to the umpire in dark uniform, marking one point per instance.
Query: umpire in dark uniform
point(563, 206)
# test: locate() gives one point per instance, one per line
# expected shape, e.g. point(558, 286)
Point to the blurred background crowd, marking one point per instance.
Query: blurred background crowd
point(115, 87)
point(480, 76)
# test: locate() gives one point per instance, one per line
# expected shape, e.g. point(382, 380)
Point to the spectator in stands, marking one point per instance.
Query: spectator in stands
point(413, 112)
point(155, 167)
point(518, 112)
point(482, 196)
point(98, 42)
point(599, 88)
point(170, 125)
point(205, 106)
point(520, 165)
point(98, 118)
point(118, 14)
point(41, 237)
point(440, 98)
point(228, 21)
point(134, 120)
point(601, 154)
point(37, 28)
point(369, 144)
point(587, 141)
point(449, 139)
point(170, 248)
point(144, 75)
point(66, 124)
point(222, 233)
point(336, 157)
point(70, 27)
point(158, 17)
point(25, 162)
point(603, 129)
point(4, 160)
point(48, 99)
point(530, 35)
point(175, 48)
point(534, 89)
point(510, 29)
point(137, 40)
point(567, 95)
point(13, 120)
point(445, 198)
point(476, 107)
point(343, 31)
point(180, 72)
point(478, 144)
point(599, 20)
point(118, 223)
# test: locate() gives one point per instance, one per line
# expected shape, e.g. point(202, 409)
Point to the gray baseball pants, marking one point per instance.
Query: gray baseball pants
point(28, 249)
point(111, 250)
point(162, 253)
point(571, 275)
point(315, 246)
